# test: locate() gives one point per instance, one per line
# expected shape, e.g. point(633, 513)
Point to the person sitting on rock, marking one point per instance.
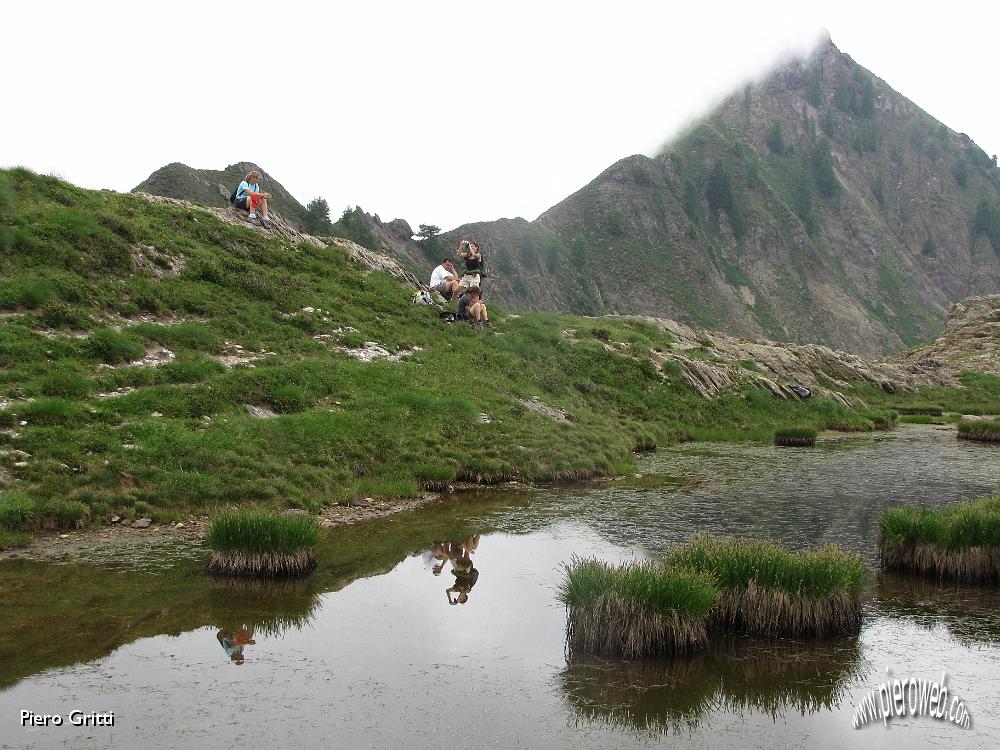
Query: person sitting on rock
point(444, 280)
point(469, 252)
point(472, 308)
point(249, 197)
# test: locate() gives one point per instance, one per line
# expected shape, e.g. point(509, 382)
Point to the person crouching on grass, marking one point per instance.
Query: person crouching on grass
point(249, 197)
point(472, 308)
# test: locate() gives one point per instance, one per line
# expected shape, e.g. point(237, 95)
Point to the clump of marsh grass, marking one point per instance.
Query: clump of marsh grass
point(635, 609)
point(961, 542)
point(982, 430)
point(767, 590)
point(883, 419)
point(255, 544)
point(931, 410)
point(803, 437)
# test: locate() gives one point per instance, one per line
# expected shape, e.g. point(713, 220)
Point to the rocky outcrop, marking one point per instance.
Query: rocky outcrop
point(970, 340)
point(714, 363)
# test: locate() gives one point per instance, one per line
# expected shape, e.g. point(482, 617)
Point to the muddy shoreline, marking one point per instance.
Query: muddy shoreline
point(56, 545)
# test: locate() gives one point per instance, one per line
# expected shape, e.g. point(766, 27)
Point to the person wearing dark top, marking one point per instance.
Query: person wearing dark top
point(469, 252)
point(472, 308)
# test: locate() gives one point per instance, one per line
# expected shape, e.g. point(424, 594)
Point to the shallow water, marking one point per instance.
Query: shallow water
point(371, 653)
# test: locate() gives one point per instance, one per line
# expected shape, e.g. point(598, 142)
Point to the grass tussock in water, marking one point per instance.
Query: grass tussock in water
point(883, 419)
point(257, 544)
point(731, 585)
point(803, 437)
point(982, 430)
point(635, 609)
point(767, 590)
point(921, 409)
point(961, 542)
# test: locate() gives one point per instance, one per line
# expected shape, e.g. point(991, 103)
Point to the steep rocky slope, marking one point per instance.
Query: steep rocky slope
point(819, 205)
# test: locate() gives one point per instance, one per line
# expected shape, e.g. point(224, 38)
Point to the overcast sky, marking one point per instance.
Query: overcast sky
point(436, 112)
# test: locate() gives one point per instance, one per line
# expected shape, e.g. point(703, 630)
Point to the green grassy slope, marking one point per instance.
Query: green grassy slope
point(92, 281)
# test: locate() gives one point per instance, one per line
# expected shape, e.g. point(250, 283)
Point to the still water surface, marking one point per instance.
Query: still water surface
point(372, 652)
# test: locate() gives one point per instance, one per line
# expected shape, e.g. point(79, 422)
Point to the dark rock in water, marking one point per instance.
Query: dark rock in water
point(142, 523)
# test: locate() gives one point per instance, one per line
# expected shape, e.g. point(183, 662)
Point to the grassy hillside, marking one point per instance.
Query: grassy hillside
point(96, 287)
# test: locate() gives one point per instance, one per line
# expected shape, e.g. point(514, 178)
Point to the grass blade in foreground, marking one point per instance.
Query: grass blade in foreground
point(961, 542)
point(256, 544)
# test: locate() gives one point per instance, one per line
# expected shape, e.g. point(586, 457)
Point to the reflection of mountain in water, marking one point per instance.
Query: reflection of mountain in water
point(659, 696)
point(971, 613)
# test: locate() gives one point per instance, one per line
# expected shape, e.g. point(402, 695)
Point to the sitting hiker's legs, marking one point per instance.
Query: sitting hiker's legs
point(263, 208)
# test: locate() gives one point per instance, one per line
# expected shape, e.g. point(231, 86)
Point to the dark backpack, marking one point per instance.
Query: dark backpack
point(232, 198)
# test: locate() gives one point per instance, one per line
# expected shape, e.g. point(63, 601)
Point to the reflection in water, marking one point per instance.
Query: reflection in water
point(970, 612)
point(356, 646)
point(234, 641)
point(269, 607)
point(459, 554)
point(733, 675)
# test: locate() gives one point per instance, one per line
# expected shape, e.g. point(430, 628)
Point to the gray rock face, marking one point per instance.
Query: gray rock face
point(142, 523)
point(970, 340)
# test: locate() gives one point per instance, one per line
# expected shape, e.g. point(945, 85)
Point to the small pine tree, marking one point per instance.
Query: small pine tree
point(691, 201)
point(822, 168)
point(986, 222)
point(775, 139)
point(814, 90)
point(719, 193)
point(878, 190)
point(317, 218)
point(428, 231)
point(868, 97)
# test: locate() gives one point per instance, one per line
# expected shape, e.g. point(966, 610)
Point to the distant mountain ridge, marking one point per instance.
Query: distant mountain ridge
point(211, 187)
point(819, 205)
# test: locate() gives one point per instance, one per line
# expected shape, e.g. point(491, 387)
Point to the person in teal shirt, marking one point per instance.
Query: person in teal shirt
point(249, 197)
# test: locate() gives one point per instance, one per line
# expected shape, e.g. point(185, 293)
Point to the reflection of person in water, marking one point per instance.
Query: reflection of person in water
point(463, 586)
point(462, 568)
point(234, 641)
point(439, 552)
point(459, 554)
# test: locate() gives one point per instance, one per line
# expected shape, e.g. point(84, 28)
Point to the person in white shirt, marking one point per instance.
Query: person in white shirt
point(444, 280)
